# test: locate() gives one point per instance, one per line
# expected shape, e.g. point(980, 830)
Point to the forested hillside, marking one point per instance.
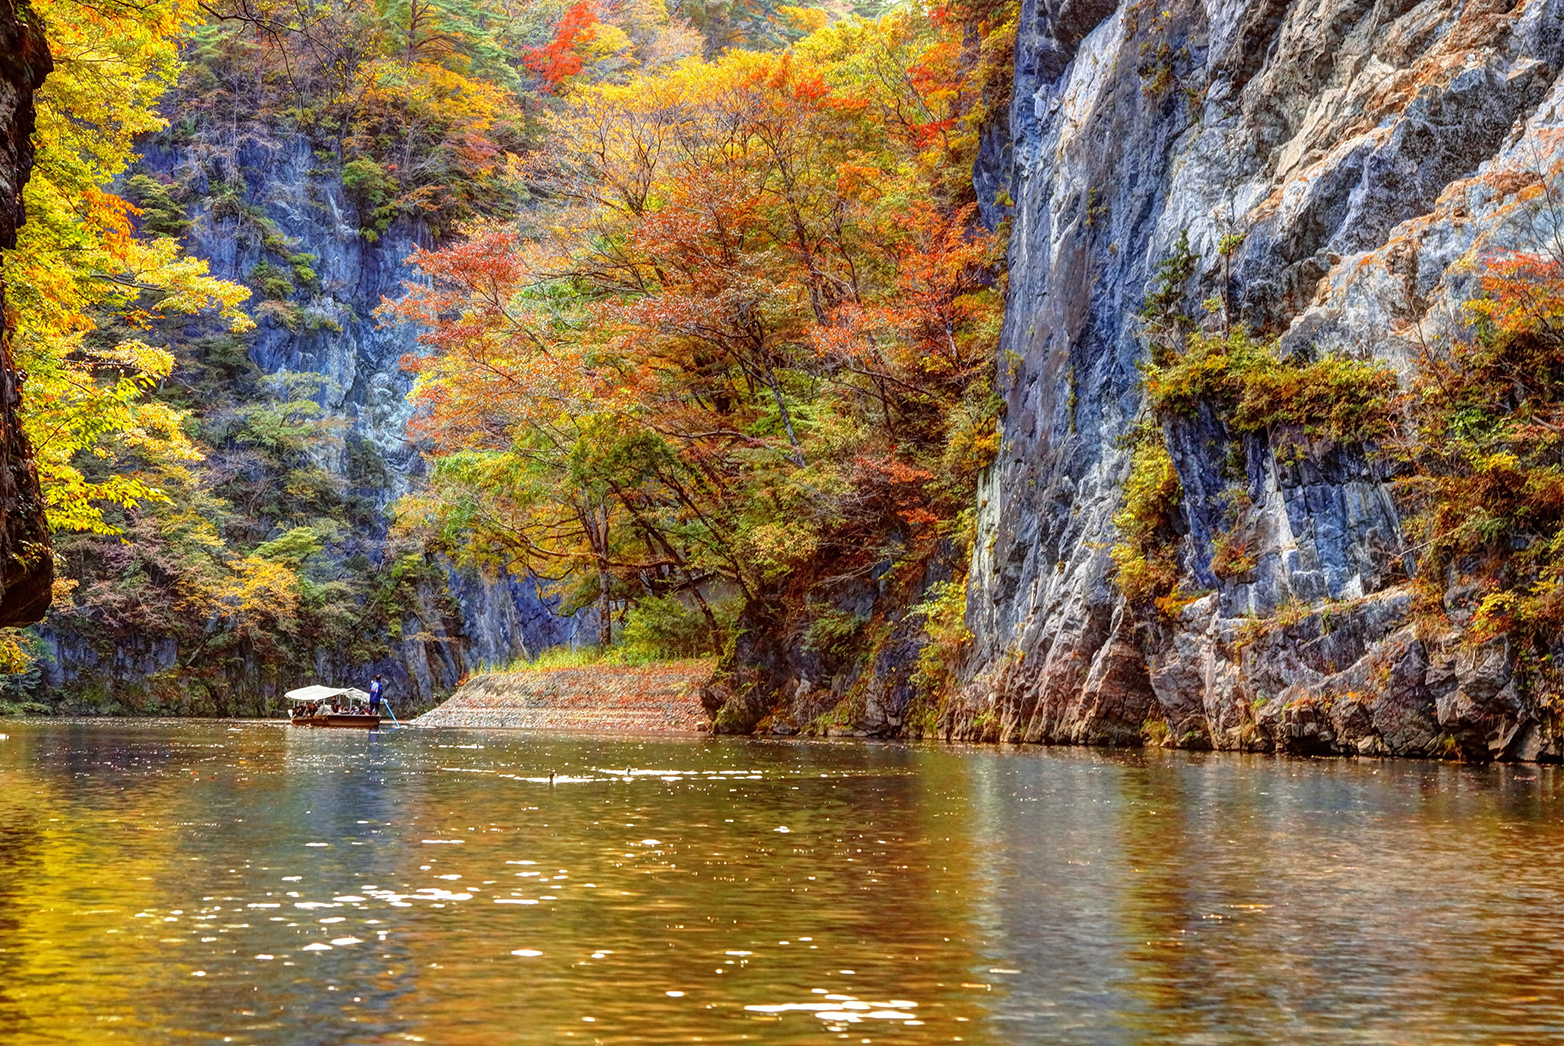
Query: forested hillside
point(210, 301)
point(737, 376)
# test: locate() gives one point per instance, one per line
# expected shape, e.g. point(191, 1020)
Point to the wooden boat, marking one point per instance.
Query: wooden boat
point(307, 702)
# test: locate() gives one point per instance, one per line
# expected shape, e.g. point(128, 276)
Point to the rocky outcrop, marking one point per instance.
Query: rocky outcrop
point(26, 561)
point(280, 190)
point(834, 659)
point(1367, 154)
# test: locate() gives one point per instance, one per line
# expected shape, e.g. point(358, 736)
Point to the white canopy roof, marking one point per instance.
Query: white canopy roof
point(318, 693)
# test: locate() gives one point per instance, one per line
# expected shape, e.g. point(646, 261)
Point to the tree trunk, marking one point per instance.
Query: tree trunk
point(782, 408)
point(605, 604)
point(605, 622)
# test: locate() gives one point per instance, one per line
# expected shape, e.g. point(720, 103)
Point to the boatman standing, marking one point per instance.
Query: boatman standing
point(375, 689)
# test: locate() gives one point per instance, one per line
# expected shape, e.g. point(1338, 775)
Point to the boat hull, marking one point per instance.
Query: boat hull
point(352, 722)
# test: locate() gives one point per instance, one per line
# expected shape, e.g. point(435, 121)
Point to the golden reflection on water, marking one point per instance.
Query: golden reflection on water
point(249, 883)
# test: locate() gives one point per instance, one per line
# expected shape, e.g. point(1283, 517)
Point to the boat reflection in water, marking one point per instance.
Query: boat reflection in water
point(331, 706)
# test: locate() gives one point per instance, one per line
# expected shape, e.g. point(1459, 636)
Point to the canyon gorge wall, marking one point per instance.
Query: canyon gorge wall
point(1335, 172)
point(1369, 154)
point(268, 208)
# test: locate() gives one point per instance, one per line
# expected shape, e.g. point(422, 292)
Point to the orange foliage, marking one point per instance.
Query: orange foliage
point(561, 58)
point(752, 331)
point(1521, 294)
point(1482, 467)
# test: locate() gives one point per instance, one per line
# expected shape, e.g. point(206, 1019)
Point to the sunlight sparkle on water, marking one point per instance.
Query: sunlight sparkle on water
point(848, 1010)
point(908, 871)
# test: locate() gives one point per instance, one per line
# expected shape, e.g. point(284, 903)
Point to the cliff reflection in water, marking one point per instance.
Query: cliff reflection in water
point(255, 884)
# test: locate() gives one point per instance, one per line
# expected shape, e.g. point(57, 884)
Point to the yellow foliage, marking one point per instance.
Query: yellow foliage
point(805, 19)
point(606, 40)
point(1144, 556)
point(80, 272)
point(13, 656)
point(258, 593)
point(777, 548)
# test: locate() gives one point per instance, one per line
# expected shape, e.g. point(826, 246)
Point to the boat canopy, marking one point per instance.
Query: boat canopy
point(318, 693)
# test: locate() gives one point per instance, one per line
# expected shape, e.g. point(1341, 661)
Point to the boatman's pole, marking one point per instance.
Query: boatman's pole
point(387, 706)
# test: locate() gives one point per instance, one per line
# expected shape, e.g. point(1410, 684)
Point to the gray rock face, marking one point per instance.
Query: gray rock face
point(340, 338)
point(1367, 153)
point(464, 625)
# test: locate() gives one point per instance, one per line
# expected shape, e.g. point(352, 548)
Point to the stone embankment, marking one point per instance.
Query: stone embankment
point(663, 698)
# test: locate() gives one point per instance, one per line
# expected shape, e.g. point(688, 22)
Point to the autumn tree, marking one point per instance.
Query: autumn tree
point(774, 319)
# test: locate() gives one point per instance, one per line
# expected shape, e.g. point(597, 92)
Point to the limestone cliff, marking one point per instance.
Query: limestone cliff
point(1367, 153)
point(26, 562)
point(248, 207)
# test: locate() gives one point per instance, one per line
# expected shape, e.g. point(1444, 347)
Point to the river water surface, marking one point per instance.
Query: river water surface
point(250, 883)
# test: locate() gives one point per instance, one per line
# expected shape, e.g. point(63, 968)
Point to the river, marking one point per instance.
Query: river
point(245, 882)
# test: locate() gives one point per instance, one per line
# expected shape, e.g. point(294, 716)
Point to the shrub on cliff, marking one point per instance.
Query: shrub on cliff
point(1256, 389)
point(1473, 440)
point(1144, 552)
point(1482, 464)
